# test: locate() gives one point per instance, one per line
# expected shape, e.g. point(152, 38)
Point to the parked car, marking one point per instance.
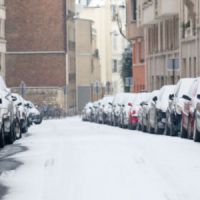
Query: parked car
point(95, 111)
point(135, 108)
point(7, 116)
point(125, 109)
point(175, 107)
point(116, 108)
point(144, 110)
point(33, 114)
point(196, 128)
point(86, 113)
point(157, 111)
point(190, 112)
point(104, 109)
point(21, 113)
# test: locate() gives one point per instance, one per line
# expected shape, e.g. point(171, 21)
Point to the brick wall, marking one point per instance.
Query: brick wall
point(34, 25)
point(138, 66)
point(35, 70)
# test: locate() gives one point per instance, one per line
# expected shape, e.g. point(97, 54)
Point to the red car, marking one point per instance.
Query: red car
point(190, 122)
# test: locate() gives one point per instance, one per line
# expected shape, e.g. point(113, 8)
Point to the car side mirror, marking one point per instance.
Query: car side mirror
point(155, 99)
point(19, 104)
point(171, 97)
point(143, 103)
point(130, 104)
point(14, 98)
point(198, 96)
point(186, 97)
point(0, 100)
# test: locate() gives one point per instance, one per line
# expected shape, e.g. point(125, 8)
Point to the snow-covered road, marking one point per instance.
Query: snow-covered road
point(73, 160)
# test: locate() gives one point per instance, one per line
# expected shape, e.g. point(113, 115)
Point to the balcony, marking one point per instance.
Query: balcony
point(133, 31)
point(168, 8)
point(153, 10)
point(148, 14)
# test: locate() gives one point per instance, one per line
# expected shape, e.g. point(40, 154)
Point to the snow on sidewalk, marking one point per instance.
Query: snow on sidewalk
point(73, 160)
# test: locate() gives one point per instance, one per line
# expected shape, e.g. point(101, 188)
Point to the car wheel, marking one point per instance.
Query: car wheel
point(39, 121)
point(183, 131)
point(196, 133)
point(18, 132)
point(24, 129)
point(11, 136)
point(144, 128)
point(129, 126)
point(139, 127)
point(158, 130)
point(190, 131)
point(2, 138)
point(150, 129)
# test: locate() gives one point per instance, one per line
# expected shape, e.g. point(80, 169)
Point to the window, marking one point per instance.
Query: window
point(195, 67)
point(114, 42)
point(114, 12)
point(190, 67)
point(134, 9)
point(114, 65)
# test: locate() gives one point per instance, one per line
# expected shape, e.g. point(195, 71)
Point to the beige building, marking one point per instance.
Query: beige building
point(160, 19)
point(71, 58)
point(189, 38)
point(119, 43)
point(88, 68)
point(2, 37)
point(100, 13)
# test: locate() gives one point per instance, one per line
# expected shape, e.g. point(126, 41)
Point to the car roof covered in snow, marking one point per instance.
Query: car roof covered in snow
point(141, 97)
point(163, 97)
point(121, 97)
point(183, 86)
point(153, 94)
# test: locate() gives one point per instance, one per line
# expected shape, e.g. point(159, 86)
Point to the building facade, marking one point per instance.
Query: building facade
point(100, 13)
point(88, 64)
point(119, 42)
point(2, 37)
point(160, 20)
point(41, 49)
point(189, 38)
point(135, 35)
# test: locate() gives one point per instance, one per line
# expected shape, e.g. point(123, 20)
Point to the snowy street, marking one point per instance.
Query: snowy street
point(73, 160)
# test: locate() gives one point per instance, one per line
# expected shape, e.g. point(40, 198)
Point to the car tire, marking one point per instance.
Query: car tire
point(2, 137)
point(24, 129)
point(150, 129)
point(183, 133)
point(196, 136)
point(139, 127)
point(144, 128)
point(40, 120)
point(18, 132)
point(11, 136)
